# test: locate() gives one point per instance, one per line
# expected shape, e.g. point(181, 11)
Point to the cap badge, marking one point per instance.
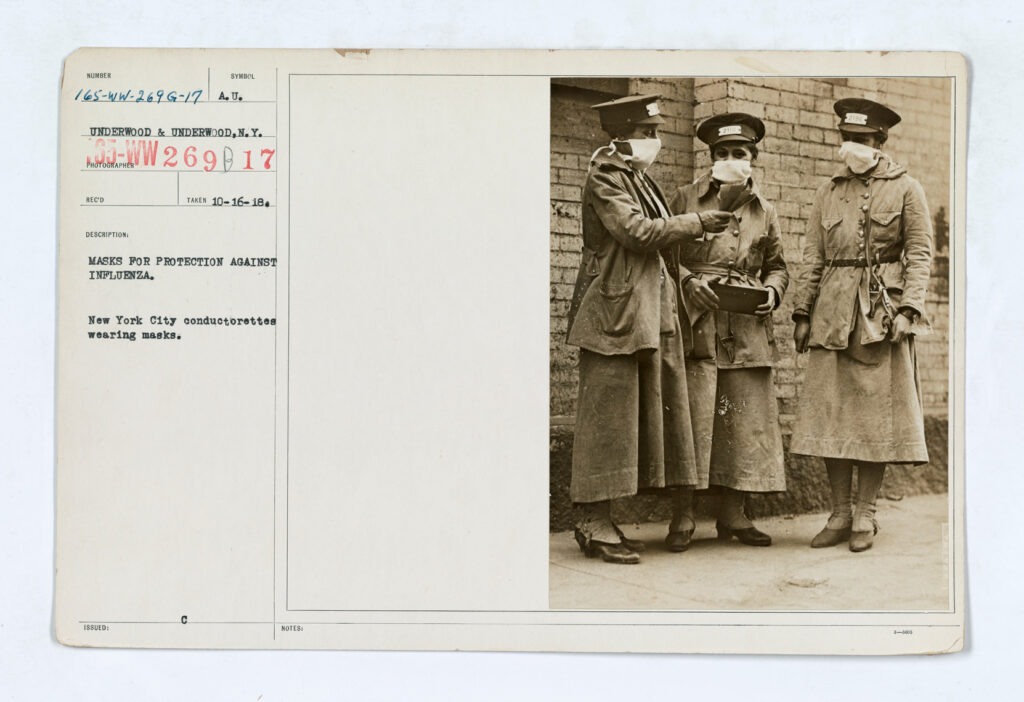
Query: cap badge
point(855, 118)
point(726, 131)
point(652, 109)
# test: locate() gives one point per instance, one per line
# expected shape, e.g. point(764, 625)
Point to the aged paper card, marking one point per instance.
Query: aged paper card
point(313, 385)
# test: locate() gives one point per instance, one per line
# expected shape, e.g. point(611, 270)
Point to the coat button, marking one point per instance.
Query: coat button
point(866, 195)
point(864, 207)
point(735, 232)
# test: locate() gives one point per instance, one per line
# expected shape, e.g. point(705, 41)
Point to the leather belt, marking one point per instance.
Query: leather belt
point(862, 263)
point(709, 268)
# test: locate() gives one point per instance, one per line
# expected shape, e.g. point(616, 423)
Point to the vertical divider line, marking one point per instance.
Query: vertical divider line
point(273, 574)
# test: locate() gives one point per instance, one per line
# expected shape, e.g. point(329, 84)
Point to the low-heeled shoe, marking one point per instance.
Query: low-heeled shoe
point(862, 540)
point(631, 544)
point(751, 536)
point(830, 537)
point(679, 541)
point(609, 553)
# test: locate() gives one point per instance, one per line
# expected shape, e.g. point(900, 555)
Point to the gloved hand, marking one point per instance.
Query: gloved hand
point(701, 294)
point(801, 332)
point(765, 310)
point(714, 221)
point(900, 328)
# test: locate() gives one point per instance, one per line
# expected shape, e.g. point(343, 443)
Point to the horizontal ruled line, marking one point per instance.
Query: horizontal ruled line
point(219, 207)
point(503, 623)
point(611, 75)
point(839, 612)
point(171, 136)
point(173, 621)
point(175, 102)
point(168, 170)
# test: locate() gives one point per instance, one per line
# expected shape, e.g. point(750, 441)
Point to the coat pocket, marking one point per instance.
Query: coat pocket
point(618, 308)
point(831, 222)
point(831, 226)
point(885, 226)
point(755, 254)
point(704, 336)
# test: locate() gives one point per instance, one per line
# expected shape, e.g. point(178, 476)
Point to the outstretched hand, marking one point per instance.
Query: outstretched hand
point(714, 221)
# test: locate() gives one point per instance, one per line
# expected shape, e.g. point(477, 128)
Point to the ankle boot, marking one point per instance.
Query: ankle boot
point(838, 527)
point(869, 482)
point(598, 537)
point(733, 522)
point(680, 530)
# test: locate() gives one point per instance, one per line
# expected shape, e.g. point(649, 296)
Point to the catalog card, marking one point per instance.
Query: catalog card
point(352, 351)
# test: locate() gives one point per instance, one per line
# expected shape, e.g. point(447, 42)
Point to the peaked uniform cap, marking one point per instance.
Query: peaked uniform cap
point(865, 116)
point(629, 111)
point(731, 126)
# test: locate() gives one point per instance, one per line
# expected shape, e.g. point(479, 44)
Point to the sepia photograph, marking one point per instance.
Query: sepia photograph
point(750, 343)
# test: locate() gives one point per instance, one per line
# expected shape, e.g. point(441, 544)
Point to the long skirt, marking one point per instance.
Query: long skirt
point(633, 428)
point(862, 403)
point(736, 433)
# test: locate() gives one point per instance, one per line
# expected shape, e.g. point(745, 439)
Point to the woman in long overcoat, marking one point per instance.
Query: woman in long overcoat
point(859, 303)
point(735, 417)
point(633, 428)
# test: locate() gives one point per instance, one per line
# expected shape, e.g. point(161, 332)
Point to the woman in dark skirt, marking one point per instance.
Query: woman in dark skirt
point(633, 430)
point(735, 415)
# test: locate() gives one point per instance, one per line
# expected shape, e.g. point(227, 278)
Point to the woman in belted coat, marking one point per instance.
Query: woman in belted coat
point(859, 303)
point(733, 407)
point(633, 428)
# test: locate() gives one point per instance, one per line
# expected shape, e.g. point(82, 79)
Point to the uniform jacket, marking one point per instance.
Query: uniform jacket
point(879, 216)
point(750, 252)
point(625, 299)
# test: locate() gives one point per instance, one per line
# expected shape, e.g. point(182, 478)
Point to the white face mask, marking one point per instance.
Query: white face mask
point(731, 171)
point(644, 152)
point(860, 158)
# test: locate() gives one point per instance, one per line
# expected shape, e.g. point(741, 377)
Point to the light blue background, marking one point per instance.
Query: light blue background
point(37, 36)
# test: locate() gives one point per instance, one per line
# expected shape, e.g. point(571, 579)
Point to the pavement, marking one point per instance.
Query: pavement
point(906, 569)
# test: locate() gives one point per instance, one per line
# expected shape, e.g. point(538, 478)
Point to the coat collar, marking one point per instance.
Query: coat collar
point(706, 183)
point(886, 169)
point(606, 159)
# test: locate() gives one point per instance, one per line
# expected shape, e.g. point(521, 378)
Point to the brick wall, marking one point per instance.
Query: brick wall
point(796, 156)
